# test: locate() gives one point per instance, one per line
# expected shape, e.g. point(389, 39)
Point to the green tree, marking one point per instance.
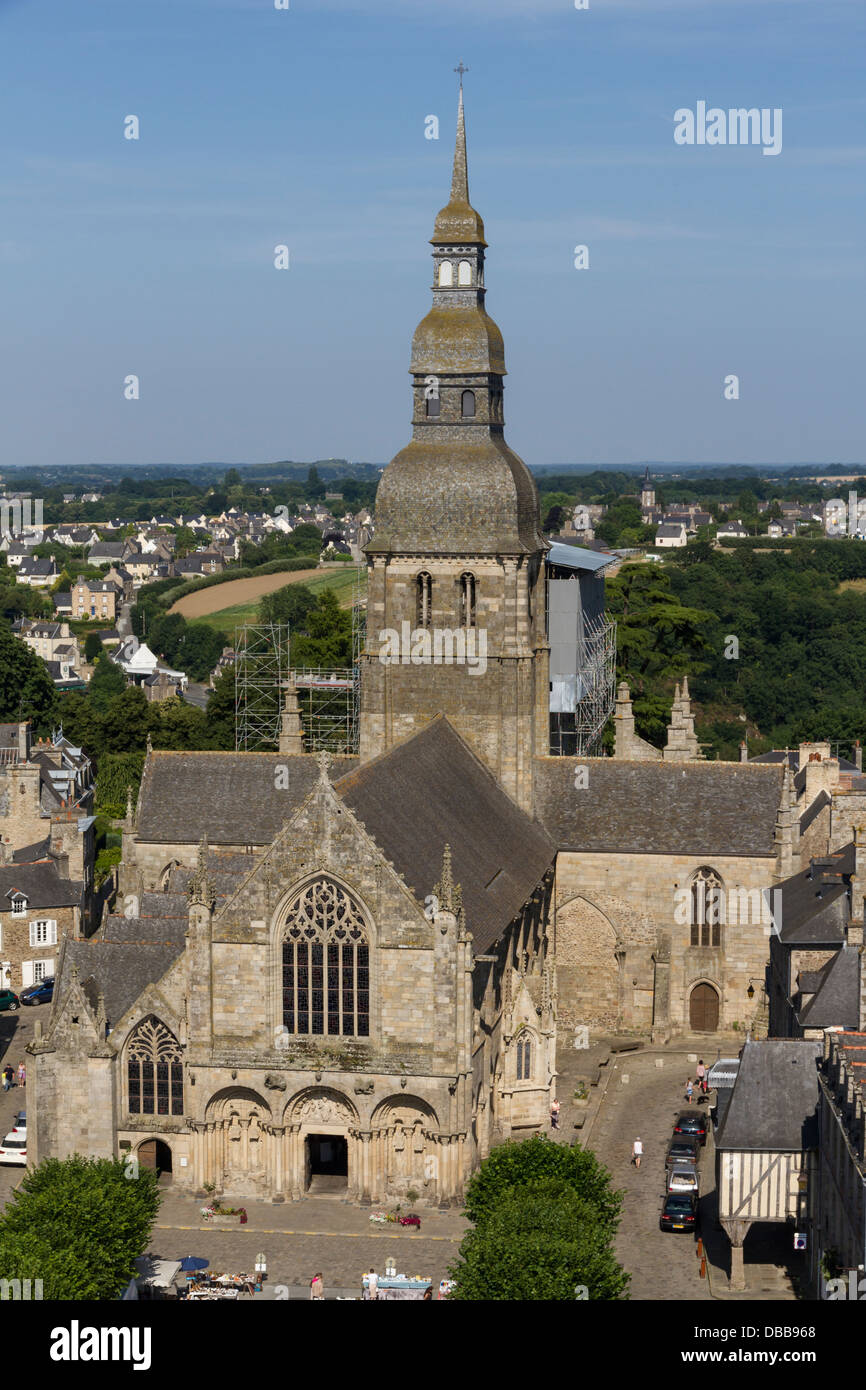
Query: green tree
point(106, 682)
point(517, 1164)
point(181, 726)
point(78, 1224)
point(199, 650)
point(232, 479)
point(328, 639)
point(117, 771)
point(539, 1242)
point(26, 689)
point(166, 635)
point(221, 712)
point(127, 720)
point(292, 604)
point(92, 646)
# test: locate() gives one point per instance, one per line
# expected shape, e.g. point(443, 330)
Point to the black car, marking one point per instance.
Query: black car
point(683, 1148)
point(40, 993)
point(680, 1212)
point(694, 1123)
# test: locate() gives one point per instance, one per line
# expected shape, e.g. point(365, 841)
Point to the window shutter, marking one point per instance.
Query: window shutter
point(34, 933)
point(26, 973)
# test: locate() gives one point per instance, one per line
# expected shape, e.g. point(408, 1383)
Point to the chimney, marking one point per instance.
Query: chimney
point(24, 741)
point(744, 752)
point(858, 755)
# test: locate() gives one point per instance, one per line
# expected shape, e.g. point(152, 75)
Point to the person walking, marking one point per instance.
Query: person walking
point(636, 1152)
point(554, 1114)
point(22, 1074)
point(689, 1090)
point(372, 1284)
point(701, 1074)
point(8, 1077)
point(317, 1288)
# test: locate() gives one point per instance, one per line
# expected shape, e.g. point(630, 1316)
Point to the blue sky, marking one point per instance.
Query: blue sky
point(306, 127)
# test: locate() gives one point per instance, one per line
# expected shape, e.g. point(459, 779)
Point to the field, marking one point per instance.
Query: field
point(210, 605)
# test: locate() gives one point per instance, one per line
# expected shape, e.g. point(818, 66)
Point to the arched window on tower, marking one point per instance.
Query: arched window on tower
point(524, 1059)
point(433, 405)
point(467, 600)
point(326, 964)
point(423, 600)
point(446, 274)
point(154, 1070)
point(467, 404)
point(464, 273)
point(707, 908)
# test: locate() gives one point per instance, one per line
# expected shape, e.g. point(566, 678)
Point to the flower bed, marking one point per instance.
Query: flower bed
point(218, 1215)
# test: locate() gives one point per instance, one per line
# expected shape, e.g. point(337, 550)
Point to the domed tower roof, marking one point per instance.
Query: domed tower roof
point(457, 487)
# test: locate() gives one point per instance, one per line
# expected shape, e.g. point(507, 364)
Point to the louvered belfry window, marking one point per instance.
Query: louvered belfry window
point(326, 964)
point(155, 1070)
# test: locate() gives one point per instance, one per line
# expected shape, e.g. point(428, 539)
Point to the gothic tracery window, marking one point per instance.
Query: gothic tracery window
point(326, 964)
point(524, 1059)
point(423, 600)
point(154, 1070)
point(706, 901)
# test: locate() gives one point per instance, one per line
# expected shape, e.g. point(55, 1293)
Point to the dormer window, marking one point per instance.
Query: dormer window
point(446, 275)
point(467, 405)
point(19, 905)
point(464, 273)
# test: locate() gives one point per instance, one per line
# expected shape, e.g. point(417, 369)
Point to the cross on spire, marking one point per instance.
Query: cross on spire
point(460, 71)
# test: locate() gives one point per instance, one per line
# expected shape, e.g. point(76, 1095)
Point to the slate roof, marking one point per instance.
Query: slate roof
point(431, 791)
point(775, 1097)
point(230, 797)
point(837, 999)
point(814, 903)
point(121, 970)
point(40, 884)
point(705, 808)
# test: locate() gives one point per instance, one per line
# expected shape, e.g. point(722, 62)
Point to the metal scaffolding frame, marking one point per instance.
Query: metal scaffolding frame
point(261, 672)
point(329, 697)
point(578, 734)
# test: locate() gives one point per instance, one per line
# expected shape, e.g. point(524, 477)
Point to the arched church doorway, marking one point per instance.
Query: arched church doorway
point(156, 1155)
point(327, 1164)
point(704, 1009)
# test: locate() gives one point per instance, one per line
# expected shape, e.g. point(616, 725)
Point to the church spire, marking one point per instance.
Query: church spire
point(460, 174)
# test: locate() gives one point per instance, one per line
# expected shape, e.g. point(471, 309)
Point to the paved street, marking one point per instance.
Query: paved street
point(16, 1030)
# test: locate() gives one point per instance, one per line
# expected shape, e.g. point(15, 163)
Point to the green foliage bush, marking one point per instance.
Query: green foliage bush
point(78, 1224)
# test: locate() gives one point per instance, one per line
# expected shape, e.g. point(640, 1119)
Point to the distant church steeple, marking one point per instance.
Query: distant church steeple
point(458, 545)
point(647, 491)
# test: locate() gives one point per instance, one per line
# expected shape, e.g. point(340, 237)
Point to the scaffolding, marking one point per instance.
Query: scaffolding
point(577, 733)
point(261, 671)
point(329, 697)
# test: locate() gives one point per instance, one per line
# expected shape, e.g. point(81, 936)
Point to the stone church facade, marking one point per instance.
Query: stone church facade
point(350, 976)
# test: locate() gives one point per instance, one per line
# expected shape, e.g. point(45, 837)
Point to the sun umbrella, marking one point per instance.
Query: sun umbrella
point(190, 1262)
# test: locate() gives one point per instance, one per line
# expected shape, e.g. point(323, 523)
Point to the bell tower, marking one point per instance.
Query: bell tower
point(456, 601)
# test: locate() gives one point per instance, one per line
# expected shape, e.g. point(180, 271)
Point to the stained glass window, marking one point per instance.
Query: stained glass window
point(326, 968)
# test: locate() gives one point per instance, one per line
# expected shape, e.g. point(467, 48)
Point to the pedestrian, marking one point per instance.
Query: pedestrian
point(703, 1077)
point(372, 1284)
point(317, 1288)
point(8, 1077)
point(22, 1074)
point(689, 1090)
point(554, 1114)
point(636, 1152)
point(428, 1294)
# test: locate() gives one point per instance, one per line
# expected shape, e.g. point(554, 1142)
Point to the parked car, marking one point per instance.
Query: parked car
point(692, 1122)
point(20, 1120)
point(8, 999)
point(40, 993)
point(680, 1212)
point(683, 1177)
point(683, 1148)
point(14, 1148)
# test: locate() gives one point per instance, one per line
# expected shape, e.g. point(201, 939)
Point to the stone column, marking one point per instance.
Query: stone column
point(296, 1154)
point(277, 1133)
point(365, 1150)
point(661, 1028)
point(737, 1232)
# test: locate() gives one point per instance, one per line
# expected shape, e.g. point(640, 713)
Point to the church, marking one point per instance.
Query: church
point(351, 974)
